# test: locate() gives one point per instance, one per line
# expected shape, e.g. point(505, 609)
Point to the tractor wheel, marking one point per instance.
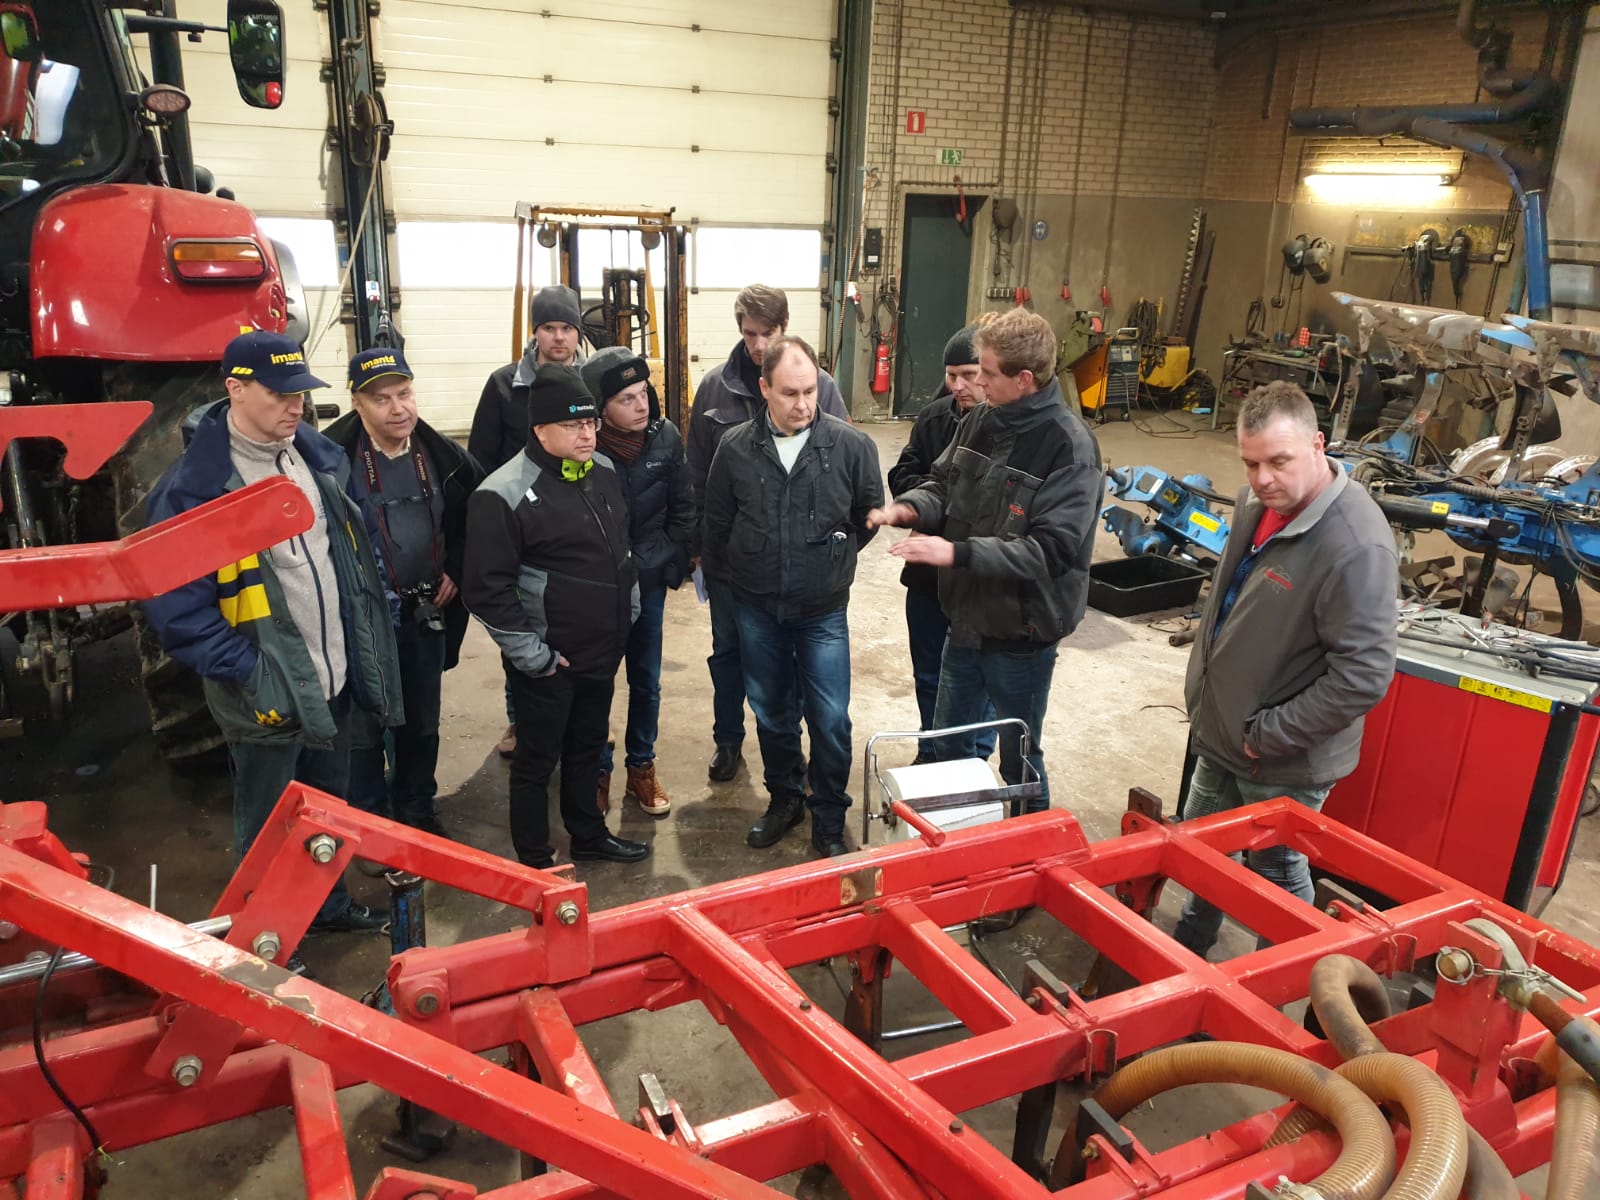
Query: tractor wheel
point(180, 720)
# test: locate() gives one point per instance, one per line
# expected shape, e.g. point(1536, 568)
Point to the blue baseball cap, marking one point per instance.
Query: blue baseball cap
point(274, 360)
point(370, 366)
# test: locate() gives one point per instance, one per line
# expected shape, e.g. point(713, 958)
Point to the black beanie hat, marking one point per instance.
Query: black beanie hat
point(556, 303)
point(557, 394)
point(961, 350)
point(612, 369)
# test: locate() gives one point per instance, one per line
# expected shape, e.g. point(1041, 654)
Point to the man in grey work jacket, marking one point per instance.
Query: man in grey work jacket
point(290, 640)
point(786, 506)
point(1297, 642)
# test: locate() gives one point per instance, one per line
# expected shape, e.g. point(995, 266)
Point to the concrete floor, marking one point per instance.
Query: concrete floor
point(1115, 721)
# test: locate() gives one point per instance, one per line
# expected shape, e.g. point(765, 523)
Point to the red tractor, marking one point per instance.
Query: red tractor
point(121, 278)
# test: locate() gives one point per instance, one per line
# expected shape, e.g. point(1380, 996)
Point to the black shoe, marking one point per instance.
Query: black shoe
point(358, 918)
point(998, 923)
point(782, 815)
point(829, 845)
point(725, 764)
point(427, 823)
point(609, 848)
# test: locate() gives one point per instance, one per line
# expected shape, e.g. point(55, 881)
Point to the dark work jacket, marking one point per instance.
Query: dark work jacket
point(661, 520)
point(1018, 492)
point(723, 401)
point(787, 541)
point(233, 628)
point(461, 475)
point(549, 572)
point(931, 432)
point(500, 423)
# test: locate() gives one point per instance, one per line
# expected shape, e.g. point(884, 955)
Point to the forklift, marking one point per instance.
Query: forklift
point(627, 312)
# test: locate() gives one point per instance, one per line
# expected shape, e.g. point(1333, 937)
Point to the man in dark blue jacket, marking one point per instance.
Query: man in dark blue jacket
point(727, 397)
point(414, 485)
point(648, 455)
point(289, 640)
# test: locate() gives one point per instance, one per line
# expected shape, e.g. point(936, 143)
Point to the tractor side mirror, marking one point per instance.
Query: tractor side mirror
point(255, 47)
point(19, 37)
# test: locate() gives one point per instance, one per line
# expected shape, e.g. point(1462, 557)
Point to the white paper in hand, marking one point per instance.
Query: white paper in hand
point(700, 586)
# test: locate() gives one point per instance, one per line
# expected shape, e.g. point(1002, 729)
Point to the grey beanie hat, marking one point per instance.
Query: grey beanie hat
point(556, 303)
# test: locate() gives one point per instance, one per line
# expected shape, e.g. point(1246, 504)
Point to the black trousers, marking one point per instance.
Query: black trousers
point(561, 718)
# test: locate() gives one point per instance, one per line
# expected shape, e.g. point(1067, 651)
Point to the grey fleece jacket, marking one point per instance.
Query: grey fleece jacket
point(304, 564)
point(1308, 647)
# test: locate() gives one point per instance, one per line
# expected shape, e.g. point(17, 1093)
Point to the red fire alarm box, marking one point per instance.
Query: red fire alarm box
point(1475, 769)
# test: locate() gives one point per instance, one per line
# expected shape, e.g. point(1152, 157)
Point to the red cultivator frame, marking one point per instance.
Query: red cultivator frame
point(232, 1034)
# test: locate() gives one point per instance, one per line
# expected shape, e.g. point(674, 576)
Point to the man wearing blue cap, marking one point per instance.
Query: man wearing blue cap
point(414, 485)
point(287, 641)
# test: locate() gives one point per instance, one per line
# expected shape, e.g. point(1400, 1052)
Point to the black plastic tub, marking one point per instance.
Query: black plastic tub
point(1126, 587)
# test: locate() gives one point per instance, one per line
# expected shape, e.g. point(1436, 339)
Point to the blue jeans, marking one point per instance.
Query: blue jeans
point(407, 795)
point(1212, 790)
point(819, 648)
point(977, 684)
point(262, 770)
point(927, 627)
point(644, 683)
point(727, 672)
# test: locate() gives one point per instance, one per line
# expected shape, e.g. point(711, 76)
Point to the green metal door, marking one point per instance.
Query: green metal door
point(936, 261)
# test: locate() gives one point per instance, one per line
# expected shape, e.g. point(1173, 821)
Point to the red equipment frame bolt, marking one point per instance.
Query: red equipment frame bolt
point(567, 912)
point(805, 1006)
point(426, 1004)
point(186, 1071)
point(266, 945)
point(322, 848)
point(956, 1125)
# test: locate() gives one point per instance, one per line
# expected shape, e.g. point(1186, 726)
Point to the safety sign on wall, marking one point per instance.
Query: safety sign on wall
point(916, 122)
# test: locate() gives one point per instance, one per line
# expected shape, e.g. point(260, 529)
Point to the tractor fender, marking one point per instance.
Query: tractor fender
point(102, 284)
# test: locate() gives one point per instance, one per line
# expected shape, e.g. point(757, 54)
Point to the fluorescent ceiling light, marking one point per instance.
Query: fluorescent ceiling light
point(1378, 187)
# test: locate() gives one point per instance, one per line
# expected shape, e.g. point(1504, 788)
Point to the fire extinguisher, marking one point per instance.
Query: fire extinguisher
point(880, 366)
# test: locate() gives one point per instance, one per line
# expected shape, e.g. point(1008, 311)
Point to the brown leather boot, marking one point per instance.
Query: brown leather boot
point(644, 787)
point(602, 800)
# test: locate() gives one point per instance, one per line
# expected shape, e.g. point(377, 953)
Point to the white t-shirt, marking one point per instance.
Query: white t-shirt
point(789, 448)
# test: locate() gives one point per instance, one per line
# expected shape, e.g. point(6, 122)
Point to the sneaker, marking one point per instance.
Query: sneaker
point(782, 815)
point(508, 742)
point(644, 787)
point(297, 966)
point(602, 793)
point(358, 918)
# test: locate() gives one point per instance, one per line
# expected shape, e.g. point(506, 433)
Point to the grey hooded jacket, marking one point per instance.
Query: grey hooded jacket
point(1307, 647)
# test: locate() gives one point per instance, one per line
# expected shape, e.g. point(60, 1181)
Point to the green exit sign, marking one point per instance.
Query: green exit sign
point(949, 157)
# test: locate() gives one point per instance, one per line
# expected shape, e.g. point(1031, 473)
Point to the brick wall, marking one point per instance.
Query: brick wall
point(1416, 61)
point(952, 65)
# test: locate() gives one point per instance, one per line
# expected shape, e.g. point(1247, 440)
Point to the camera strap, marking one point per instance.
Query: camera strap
point(419, 464)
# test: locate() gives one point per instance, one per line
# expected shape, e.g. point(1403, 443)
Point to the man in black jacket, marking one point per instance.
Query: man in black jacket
point(727, 397)
point(414, 485)
point(1011, 511)
point(550, 575)
point(933, 430)
point(500, 422)
point(786, 506)
point(648, 455)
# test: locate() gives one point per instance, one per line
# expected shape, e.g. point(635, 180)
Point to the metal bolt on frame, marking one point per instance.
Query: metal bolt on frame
point(322, 848)
point(266, 945)
point(186, 1071)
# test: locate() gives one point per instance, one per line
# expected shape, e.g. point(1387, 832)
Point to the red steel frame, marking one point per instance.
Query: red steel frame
point(266, 1038)
point(263, 1038)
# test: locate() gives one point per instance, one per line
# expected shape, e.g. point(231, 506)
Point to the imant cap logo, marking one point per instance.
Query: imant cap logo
point(370, 366)
point(273, 360)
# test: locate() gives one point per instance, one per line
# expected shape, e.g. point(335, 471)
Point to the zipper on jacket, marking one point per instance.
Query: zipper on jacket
point(611, 553)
